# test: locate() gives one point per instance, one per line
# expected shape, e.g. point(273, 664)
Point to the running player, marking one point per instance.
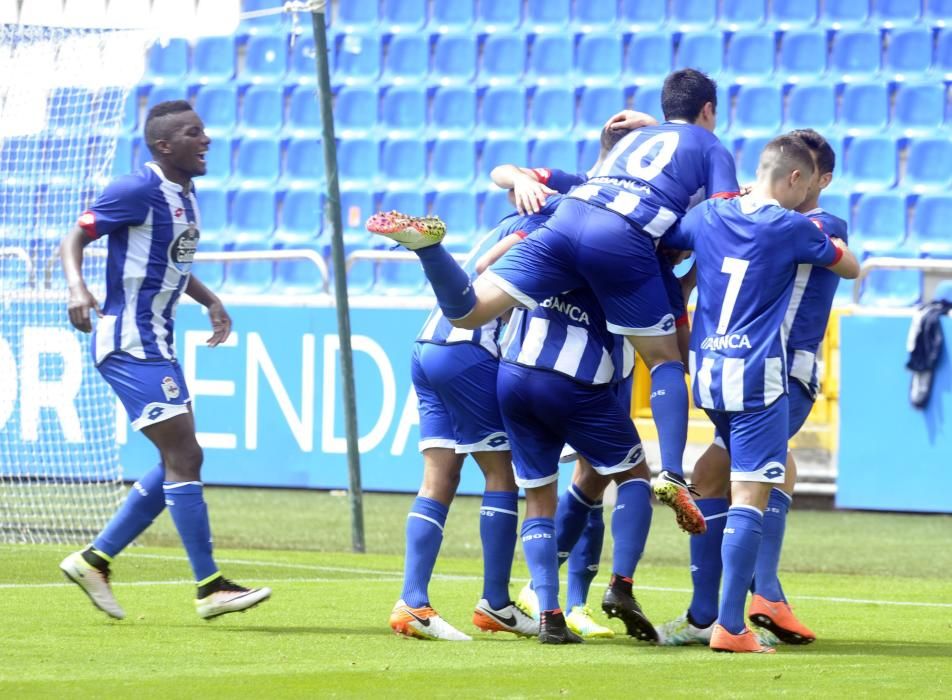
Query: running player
point(152, 220)
point(747, 257)
point(806, 322)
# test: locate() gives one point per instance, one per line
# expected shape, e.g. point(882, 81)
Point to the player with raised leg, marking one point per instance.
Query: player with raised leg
point(153, 223)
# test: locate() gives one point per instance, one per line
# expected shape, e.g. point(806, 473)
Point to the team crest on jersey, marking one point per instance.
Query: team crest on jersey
point(182, 250)
point(170, 388)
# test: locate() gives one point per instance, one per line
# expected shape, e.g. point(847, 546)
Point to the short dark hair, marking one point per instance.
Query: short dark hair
point(155, 129)
point(684, 94)
point(785, 154)
point(825, 157)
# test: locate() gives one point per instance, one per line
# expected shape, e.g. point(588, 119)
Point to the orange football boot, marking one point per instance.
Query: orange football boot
point(779, 619)
point(744, 643)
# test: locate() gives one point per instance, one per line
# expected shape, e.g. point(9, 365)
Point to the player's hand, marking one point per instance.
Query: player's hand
point(221, 323)
point(81, 301)
point(529, 194)
point(629, 119)
point(746, 190)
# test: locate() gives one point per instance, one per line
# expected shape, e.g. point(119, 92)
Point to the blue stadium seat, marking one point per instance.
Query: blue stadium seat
point(355, 110)
point(356, 16)
point(758, 112)
point(63, 116)
point(267, 24)
point(702, 50)
point(649, 57)
point(164, 93)
point(262, 110)
point(217, 162)
point(641, 15)
point(252, 214)
point(451, 16)
point(302, 218)
point(943, 54)
point(304, 167)
point(458, 209)
point(213, 60)
point(561, 153)
point(692, 15)
point(802, 55)
point(401, 16)
point(503, 111)
point(130, 113)
point(452, 163)
point(251, 276)
point(597, 104)
point(412, 202)
point(408, 59)
point(919, 108)
point(361, 274)
point(167, 64)
point(259, 161)
point(871, 163)
point(864, 108)
point(503, 59)
point(498, 15)
point(841, 14)
point(743, 14)
point(403, 163)
point(358, 59)
point(356, 206)
point(811, 106)
point(398, 277)
point(403, 112)
point(898, 13)
point(304, 113)
point(930, 225)
point(599, 58)
point(266, 59)
point(943, 290)
point(454, 59)
point(551, 59)
point(218, 105)
point(648, 99)
point(749, 157)
point(213, 202)
point(927, 166)
point(122, 161)
point(299, 276)
point(502, 151)
point(547, 15)
point(908, 53)
point(588, 152)
point(210, 272)
point(837, 203)
point(880, 222)
point(358, 160)
point(496, 206)
point(750, 56)
point(140, 156)
point(794, 15)
point(595, 15)
point(454, 111)
point(855, 54)
point(302, 69)
point(938, 13)
point(892, 288)
point(553, 110)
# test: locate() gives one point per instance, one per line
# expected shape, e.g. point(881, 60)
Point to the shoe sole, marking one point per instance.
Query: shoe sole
point(559, 639)
point(89, 595)
point(637, 626)
point(784, 635)
point(762, 650)
point(688, 516)
point(405, 630)
point(607, 634)
point(244, 609)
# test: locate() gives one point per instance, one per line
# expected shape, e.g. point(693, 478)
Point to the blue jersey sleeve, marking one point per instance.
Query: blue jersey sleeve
point(721, 173)
point(832, 226)
point(558, 180)
point(123, 203)
point(811, 245)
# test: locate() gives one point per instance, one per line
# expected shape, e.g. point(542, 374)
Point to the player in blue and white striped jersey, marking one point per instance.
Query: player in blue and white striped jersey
point(747, 255)
point(151, 218)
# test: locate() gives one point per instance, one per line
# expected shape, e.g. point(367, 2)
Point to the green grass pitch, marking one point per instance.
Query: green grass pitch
point(874, 587)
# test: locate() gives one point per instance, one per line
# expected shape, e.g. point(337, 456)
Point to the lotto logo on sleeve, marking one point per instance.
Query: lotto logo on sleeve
point(170, 388)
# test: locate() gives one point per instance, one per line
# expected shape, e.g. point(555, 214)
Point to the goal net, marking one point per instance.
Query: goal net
point(63, 93)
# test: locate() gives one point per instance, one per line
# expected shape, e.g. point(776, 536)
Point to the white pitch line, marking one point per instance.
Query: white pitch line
point(126, 584)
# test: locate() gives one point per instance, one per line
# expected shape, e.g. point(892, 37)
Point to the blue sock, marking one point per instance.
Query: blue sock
point(631, 520)
point(143, 505)
point(424, 536)
point(742, 534)
point(538, 545)
point(186, 503)
point(583, 561)
point(669, 406)
point(706, 562)
point(498, 519)
point(450, 283)
point(570, 518)
point(766, 582)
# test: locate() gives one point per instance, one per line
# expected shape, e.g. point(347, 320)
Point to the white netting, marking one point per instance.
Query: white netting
point(62, 96)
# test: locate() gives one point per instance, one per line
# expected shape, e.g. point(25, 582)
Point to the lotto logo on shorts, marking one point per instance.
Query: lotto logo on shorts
point(170, 388)
point(774, 470)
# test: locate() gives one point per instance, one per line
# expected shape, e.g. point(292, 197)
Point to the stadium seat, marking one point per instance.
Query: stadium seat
point(217, 162)
point(641, 15)
point(561, 153)
point(502, 151)
point(65, 110)
point(361, 274)
point(213, 202)
point(553, 111)
point(454, 111)
point(837, 203)
point(702, 50)
point(919, 108)
point(122, 161)
point(802, 55)
point(259, 161)
point(408, 59)
point(210, 272)
point(411, 202)
point(840, 14)
point(167, 63)
point(938, 13)
point(599, 59)
point(749, 157)
point(356, 206)
point(743, 14)
point(304, 113)
point(449, 16)
point(692, 15)
point(262, 110)
point(794, 15)
point(546, 15)
point(588, 152)
point(943, 54)
point(213, 60)
point(130, 113)
point(498, 15)
point(871, 163)
point(355, 109)
point(218, 105)
point(551, 60)
point(595, 16)
point(403, 163)
point(403, 111)
point(356, 16)
point(402, 16)
point(750, 56)
point(649, 57)
point(267, 24)
point(454, 59)
point(898, 13)
point(358, 58)
point(855, 54)
point(864, 108)
point(892, 288)
point(302, 218)
point(758, 111)
point(266, 59)
point(908, 53)
point(251, 276)
point(880, 222)
point(299, 276)
point(302, 69)
point(165, 93)
point(140, 156)
point(503, 59)
point(452, 163)
point(930, 225)
point(458, 209)
point(398, 277)
point(304, 168)
point(927, 166)
point(503, 111)
point(811, 106)
point(358, 160)
point(648, 99)
point(496, 206)
point(252, 214)
point(597, 104)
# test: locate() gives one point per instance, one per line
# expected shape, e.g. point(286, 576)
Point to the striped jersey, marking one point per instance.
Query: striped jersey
point(655, 174)
point(153, 229)
point(810, 304)
point(747, 254)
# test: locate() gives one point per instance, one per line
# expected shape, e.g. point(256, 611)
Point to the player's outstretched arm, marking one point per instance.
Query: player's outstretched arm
point(528, 192)
point(220, 320)
point(81, 300)
point(847, 266)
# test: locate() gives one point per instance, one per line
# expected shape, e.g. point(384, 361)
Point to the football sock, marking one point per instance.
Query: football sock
point(766, 582)
point(669, 406)
point(498, 518)
point(706, 562)
point(583, 561)
point(631, 520)
point(186, 503)
point(142, 505)
point(742, 534)
point(570, 518)
point(425, 523)
point(450, 283)
point(538, 545)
